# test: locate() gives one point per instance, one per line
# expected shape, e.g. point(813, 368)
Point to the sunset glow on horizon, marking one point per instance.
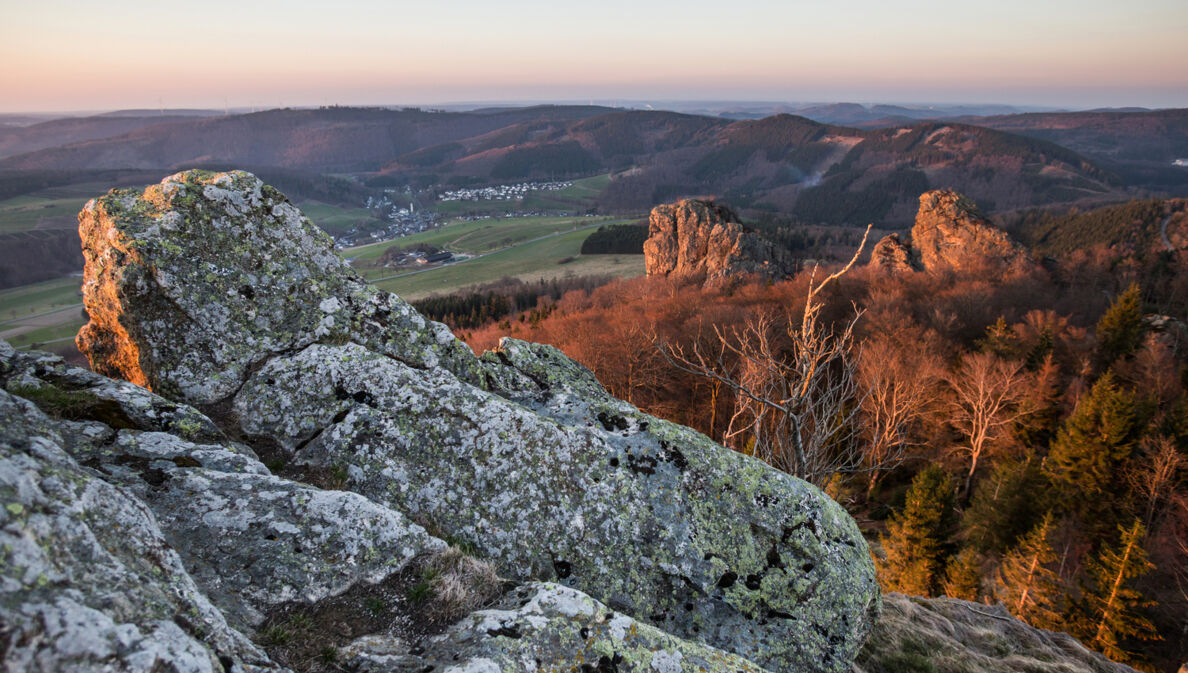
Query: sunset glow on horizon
point(74, 55)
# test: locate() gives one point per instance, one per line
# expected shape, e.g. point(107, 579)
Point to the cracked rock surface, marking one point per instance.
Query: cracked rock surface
point(87, 579)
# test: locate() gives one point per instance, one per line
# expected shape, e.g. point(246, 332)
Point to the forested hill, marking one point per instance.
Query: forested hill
point(784, 164)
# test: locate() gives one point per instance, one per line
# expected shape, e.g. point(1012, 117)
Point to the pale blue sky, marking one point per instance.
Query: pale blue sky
point(71, 54)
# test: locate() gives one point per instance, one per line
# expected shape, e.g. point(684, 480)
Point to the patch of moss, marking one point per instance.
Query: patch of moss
point(74, 405)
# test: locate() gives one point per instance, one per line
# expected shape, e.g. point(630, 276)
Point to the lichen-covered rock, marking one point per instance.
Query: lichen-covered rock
point(191, 282)
point(892, 254)
point(538, 467)
point(87, 580)
point(650, 517)
point(254, 541)
point(947, 635)
point(702, 238)
point(75, 393)
point(951, 233)
point(249, 539)
point(543, 625)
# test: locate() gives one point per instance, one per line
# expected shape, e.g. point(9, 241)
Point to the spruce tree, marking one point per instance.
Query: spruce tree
point(916, 542)
point(1111, 603)
point(1027, 585)
point(1005, 506)
point(1091, 447)
point(1120, 330)
point(963, 576)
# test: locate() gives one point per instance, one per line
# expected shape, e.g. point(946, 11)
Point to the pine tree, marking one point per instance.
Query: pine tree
point(1000, 340)
point(917, 538)
point(1028, 586)
point(1111, 604)
point(1089, 450)
point(1120, 330)
point(963, 576)
point(1005, 506)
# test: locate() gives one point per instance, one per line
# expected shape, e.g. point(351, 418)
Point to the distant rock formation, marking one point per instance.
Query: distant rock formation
point(214, 291)
point(949, 233)
point(705, 239)
point(893, 254)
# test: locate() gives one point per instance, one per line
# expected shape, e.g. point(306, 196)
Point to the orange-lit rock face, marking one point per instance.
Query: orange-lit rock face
point(192, 282)
point(693, 237)
point(949, 232)
point(106, 342)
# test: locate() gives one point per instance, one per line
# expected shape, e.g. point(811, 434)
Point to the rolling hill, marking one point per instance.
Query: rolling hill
point(784, 164)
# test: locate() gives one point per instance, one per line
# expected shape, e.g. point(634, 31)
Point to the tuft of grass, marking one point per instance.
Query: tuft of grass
point(338, 477)
point(420, 592)
point(276, 635)
point(459, 583)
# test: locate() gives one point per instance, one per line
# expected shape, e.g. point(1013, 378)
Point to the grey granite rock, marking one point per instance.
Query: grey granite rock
point(191, 282)
point(87, 580)
point(545, 626)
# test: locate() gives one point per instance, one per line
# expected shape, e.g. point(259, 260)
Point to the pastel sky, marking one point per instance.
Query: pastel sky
point(96, 55)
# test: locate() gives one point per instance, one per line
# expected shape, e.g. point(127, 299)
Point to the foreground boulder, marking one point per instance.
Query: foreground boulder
point(325, 566)
point(191, 282)
point(694, 238)
point(949, 233)
point(213, 290)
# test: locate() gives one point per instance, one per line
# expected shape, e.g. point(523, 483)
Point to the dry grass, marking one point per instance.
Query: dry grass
point(459, 583)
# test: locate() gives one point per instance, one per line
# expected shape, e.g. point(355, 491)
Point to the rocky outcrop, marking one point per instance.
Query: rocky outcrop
point(212, 290)
point(693, 238)
point(947, 635)
point(191, 282)
point(892, 254)
point(127, 548)
point(950, 233)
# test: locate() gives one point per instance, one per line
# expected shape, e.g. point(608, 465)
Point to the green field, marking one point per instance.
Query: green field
point(336, 220)
point(456, 208)
point(471, 237)
point(22, 213)
point(26, 300)
point(52, 333)
point(580, 196)
point(532, 261)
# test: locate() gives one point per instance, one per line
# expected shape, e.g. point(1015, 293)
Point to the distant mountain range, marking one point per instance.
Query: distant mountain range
point(816, 171)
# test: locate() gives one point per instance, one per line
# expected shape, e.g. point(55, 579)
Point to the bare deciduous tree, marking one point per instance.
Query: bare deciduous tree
point(795, 386)
point(986, 400)
point(897, 387)
point(1155, 481)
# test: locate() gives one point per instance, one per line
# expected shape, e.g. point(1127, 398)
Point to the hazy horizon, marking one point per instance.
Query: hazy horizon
point(68, 55)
